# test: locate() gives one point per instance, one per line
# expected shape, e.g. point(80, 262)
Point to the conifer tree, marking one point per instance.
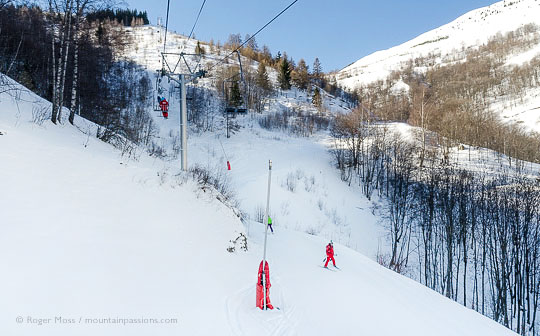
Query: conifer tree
point(236, 97)
point(277, 60)
point(284, 75)
point(263, 87)
point(317, 99)
point(300, 75)
point(317, 70)
point(262, 79)
point(199, 50)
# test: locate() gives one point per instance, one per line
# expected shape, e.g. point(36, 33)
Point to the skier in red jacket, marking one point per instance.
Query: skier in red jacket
point(330, 254)
point(164, 105)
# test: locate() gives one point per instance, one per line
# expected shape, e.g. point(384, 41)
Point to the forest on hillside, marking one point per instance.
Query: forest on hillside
point(454, 98)
point(467, 228)
point(71, 61)
point(461, 219)
point(71, 54)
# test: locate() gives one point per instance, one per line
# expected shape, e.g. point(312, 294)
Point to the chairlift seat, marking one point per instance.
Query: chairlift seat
point(236, 110)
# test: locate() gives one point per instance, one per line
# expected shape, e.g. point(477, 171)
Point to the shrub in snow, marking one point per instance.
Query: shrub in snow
point(259, 214)
point(240, 242)
point(214, 178)
point(40, 114)
point(290, 182)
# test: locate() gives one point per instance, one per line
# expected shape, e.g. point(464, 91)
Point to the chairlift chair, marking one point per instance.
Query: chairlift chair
point(241, 109)
point(160, 103)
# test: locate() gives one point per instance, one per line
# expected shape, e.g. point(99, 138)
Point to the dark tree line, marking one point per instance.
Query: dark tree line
point(71, 62)
point(126, 17)
point(23, 37)
point(473, 236)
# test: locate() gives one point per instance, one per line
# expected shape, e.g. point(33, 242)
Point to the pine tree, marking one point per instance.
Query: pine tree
point(236, 97)
point(262, 79)
point(300, 75)
point(284, 75)
point(278, 58)
point(317, 99)
point(317, 70)
point(199, 50)
point(263, 87)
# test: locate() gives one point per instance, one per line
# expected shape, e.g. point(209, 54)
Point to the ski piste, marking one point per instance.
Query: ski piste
point(327, 268)
point(330, 269)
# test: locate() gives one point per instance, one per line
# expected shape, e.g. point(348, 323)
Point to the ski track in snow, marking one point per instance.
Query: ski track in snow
point(245, 319)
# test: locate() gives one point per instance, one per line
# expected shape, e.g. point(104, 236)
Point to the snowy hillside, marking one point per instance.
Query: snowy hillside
point(93, 243)
point(148, 44)
point(447, 45)
point(306, 181)
point(469, 30)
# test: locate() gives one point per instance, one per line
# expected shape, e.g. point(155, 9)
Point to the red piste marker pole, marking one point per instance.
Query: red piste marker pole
point(265, 274)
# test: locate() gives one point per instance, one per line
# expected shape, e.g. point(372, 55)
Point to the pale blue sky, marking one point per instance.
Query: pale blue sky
point(337, 31)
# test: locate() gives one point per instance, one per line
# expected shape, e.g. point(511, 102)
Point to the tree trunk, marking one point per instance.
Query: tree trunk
point(73, 106)
point(64, 63)
point(53, 74)
point(57, 104)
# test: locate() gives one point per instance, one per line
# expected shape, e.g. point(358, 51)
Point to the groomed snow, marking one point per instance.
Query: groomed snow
point(87, 234)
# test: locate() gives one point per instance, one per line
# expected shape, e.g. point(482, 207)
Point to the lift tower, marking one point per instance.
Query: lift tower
point(181, 78)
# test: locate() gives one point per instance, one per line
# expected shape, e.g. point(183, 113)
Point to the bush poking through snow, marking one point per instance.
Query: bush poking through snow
point(309, 183)
point(259, 214)
point(40, 114)
point(313, 231)
point(240, 242)
point(290, 182)
point(216, 179)
point(320, 204)
point(156, 150)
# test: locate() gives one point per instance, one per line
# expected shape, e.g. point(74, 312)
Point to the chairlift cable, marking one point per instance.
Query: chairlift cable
point(198, 15)
point(223, 149)
point(193, 29)
point(253, 36)
point(166, 25)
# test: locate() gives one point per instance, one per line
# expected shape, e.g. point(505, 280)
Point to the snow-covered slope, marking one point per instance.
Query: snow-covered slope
point(93, 244)
point(469, 30)
point(148, 44)
point(306, 182)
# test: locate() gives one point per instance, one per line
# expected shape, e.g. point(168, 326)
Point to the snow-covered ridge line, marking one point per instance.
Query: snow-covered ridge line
point(470, 29)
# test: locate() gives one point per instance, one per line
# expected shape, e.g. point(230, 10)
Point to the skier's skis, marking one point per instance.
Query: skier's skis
point(327, 268)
